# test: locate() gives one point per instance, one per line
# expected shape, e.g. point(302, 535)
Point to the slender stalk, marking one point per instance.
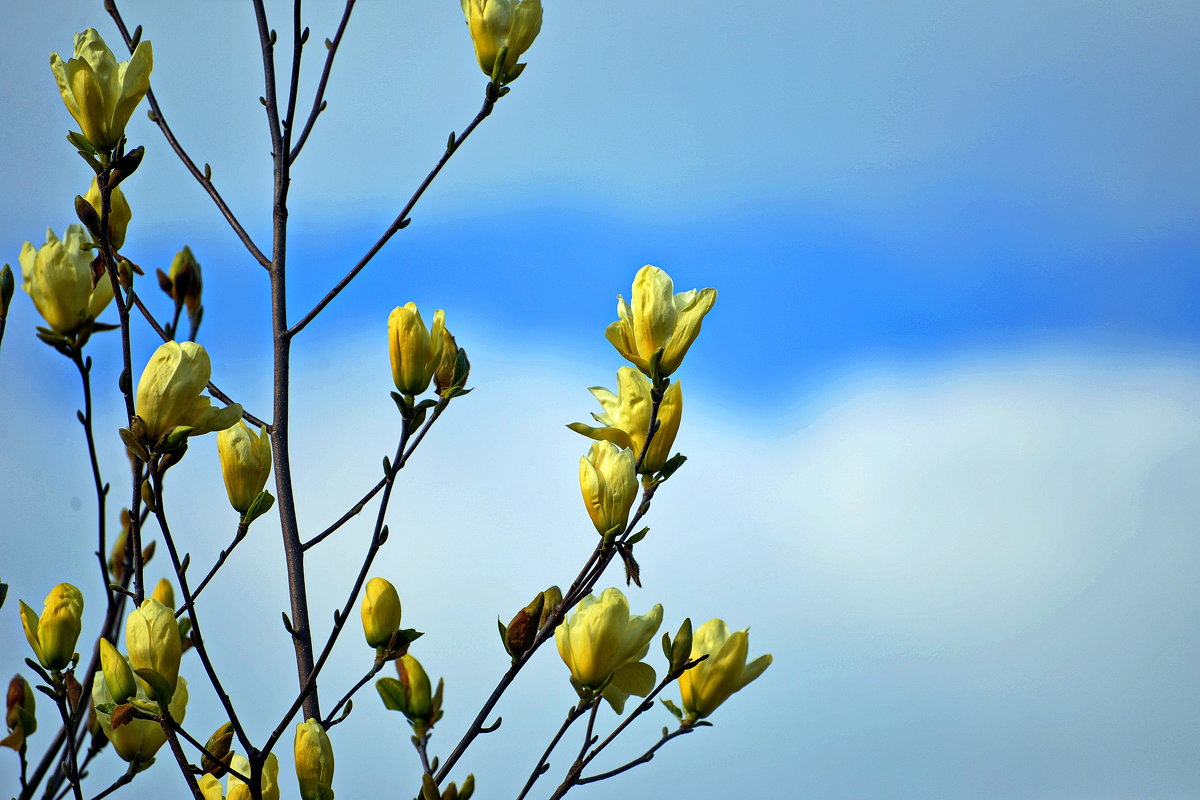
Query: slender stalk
point(237, 538)
point(421, 743)
point(332, 720)
point(377, 539)
point(60, 700)
point(200, 175)
point(197, 637)
point(85, 370)
point(319, 98)
point(169, 726)
point(574, 713)
point(125, 778)
point(401, 219)
point(642, 759)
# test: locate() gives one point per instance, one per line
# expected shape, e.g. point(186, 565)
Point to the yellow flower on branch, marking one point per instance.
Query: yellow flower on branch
point(609, 485)
point(53, 635)
point(245, 463)
point(658, 319)
point(100, 93)
point(626, 418)
point(155, 648)
point(314, 761)
point(119, 212)
point(415, 350)
point(58, 278)
point(499, 24)
point(380, 611)
point(725, 671)
point(136, 738)
point(603, 646)
point(168, 394)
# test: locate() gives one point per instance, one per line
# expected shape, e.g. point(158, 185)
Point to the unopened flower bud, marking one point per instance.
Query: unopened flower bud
point(53, 635)
point(118, 677)
point(152, 636)
point(314, 761)
point(119, 213)
point(410, 694)
point(609, 484)
point(380, 612)
point(164, 593)
point(245, 463)
point(218, 745)
point(415, 350)
point(20, 714)
point(6, 289)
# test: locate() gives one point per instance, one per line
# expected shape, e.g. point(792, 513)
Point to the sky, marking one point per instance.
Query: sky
point(942, 425)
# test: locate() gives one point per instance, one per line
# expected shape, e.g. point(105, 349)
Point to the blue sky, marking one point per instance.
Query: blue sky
point(942, 422)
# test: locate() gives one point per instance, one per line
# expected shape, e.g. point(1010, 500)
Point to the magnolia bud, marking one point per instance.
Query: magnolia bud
point(314, 761)
point(53, 635)
point(117, 674)
point(152, 636)
point(165, 593)
point(380, 612)
point(20, 716)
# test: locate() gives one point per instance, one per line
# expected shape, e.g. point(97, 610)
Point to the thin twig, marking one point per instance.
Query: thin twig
point(319, 98)
point(642, 759)
point(60, 700)
point(331, 720)
point(197, 638)
point(85, 370)
point(125, 778)
point(400, 220)
point(574, 713)
point(197, 173)
point(237, 538)
point(169, 726)
point(309, 685)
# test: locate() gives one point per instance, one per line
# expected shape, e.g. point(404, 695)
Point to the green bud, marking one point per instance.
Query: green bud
point(117, 674)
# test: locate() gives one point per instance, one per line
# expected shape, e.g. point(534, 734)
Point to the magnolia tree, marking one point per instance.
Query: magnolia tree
point(123, 684)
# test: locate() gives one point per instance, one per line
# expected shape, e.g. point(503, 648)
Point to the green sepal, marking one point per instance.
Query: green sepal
point(159, 688)
point(259, 506)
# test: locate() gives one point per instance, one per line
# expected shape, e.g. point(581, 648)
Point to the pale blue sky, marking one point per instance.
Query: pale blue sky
point(943, 422)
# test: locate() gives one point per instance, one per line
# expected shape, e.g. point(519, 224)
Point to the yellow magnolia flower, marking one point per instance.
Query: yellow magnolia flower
point(100, 93)
point(20, 713)
point(168, 394)
point(495, 24)
point(725, 671)
point(210, 787)
point(626, 417)
point(416, 350)
point(236, 790)
point(164, 593)
point(245, 463)
point(380, 611)
point(609, 484)
point(314, 761)
point(53, 635)
point(658, 319)
point(119, 213)
point(138, 738)
point(603, 646)
point(118, 676)
point(58, 278)
point(152, 636)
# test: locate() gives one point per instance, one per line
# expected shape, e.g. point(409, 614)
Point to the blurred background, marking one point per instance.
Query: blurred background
point(943, 424)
